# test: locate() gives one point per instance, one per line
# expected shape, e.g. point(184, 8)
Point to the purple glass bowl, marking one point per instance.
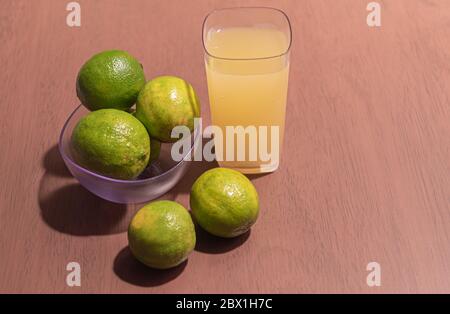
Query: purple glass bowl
point(158, 178)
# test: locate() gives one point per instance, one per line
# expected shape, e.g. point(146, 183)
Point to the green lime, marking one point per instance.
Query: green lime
point(155, 149)
point(155, 145)
point(164, 103)
point(110, 79)
point(224, 202)
point(161, 234)
point(111, 142)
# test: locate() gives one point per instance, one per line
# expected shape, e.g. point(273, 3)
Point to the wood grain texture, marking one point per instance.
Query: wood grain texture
point(365, 172)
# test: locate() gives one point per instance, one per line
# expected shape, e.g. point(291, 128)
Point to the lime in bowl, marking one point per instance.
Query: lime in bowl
point(157, 179)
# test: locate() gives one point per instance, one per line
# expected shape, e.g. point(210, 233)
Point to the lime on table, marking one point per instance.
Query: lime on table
point(161, 234)
point(164, 103)
point(110, 79)
point(224, 202)
point(111, 142)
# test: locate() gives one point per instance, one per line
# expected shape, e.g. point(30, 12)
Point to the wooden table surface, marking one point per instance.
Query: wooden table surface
point(365, 173)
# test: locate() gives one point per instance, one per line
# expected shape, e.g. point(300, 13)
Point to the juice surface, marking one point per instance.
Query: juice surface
point(247, 73)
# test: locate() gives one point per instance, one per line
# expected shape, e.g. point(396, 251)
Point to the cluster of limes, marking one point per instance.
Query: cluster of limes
point(223, 202)
point(117, 142)
point(114, 141)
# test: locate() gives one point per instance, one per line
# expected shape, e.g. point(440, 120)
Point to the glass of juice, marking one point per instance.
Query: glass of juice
point(247, 67)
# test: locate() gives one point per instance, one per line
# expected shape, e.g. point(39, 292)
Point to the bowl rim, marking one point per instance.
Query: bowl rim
point(69, 160)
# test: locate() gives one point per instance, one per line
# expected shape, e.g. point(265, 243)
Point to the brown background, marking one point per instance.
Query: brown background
point(365, 174)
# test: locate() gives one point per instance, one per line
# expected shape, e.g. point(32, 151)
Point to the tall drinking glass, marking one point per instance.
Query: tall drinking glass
point(247, 68)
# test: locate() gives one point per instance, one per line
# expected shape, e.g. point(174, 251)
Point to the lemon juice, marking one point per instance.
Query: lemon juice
point(247, 70)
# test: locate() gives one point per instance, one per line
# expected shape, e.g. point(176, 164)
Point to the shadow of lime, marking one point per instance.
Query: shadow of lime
point(130, 270)
point(208, 243)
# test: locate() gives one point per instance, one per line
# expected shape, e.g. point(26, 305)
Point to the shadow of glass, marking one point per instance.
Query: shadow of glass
point(256, 176)
point(130, 270)
point(54, 164)
point(196, 168)
point(208, 243)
